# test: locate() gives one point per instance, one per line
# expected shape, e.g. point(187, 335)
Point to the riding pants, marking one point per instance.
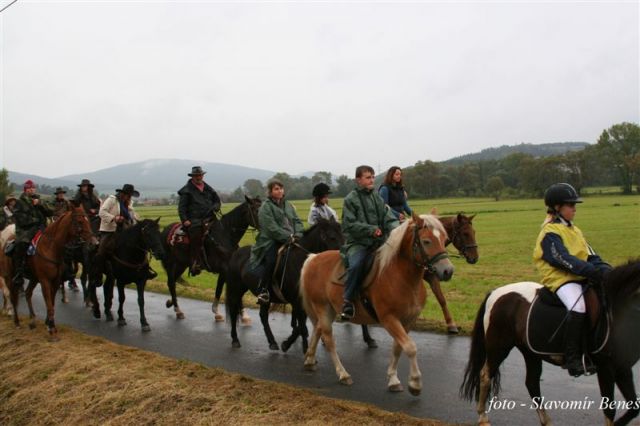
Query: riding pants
point(571, 295)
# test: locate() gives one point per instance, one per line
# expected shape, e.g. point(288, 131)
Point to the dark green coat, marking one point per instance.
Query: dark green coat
point(363, 211)
point(272, 219)
point(29, 218)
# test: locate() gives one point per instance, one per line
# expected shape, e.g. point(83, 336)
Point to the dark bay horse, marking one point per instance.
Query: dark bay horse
point(220, 241)
point(394, 287)
point(46, 266)
point(325, 235)
point(501, 325)
point(463, 237)
point(129, 264)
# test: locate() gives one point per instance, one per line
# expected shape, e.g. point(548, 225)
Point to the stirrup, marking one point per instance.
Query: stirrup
point(348, 311)
point(263, 296)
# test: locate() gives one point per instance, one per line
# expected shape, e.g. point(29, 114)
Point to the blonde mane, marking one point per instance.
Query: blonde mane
point(390, 248)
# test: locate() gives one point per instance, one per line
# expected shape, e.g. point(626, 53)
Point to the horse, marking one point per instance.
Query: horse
point(47, 265)
point(220, 241)
point(6, 235)
point(463, 237)
point(129, 264)
point(325, 235)
point(393, 287)
point(501, 325)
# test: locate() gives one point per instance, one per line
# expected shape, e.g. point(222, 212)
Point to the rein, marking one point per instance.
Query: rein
point(462, 248)
point(49, 238)
point(426, 262)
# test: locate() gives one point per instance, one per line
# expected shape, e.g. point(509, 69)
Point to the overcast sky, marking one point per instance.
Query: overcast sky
point(300, 86)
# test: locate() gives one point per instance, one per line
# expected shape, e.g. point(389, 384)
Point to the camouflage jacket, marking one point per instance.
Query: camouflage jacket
point(30, 218)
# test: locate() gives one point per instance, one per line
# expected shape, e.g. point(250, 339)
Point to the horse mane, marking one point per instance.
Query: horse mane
point(622, 281)
point(390, 248)
point(323, 222)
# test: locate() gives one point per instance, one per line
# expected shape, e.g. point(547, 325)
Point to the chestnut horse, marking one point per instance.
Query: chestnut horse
point(501, 325)
point(46, 266)
point(394, 288)
point(463, 237)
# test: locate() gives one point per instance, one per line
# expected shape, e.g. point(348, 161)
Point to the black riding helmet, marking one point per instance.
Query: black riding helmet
point(560, 193)
point(321, 189)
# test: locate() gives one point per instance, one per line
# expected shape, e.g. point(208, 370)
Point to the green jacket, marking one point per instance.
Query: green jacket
point(30, 218)
point(273, 220)
point(363, 211)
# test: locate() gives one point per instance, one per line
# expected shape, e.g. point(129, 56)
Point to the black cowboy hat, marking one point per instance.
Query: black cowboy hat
point(127, 188)
point(60, 190)
point(196, 170)
point(321, 189)
point(86, 182)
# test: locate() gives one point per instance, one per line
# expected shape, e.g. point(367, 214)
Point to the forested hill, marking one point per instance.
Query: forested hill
point(536, 150)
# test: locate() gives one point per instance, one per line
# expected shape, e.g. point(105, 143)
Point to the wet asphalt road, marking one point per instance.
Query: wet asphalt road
point(441, 359)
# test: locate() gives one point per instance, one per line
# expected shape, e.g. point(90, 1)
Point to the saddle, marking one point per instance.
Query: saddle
point(367, 270)
point(177, 235)
point(546, 323)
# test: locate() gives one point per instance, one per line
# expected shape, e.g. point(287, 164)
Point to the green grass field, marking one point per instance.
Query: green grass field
point(505, 232)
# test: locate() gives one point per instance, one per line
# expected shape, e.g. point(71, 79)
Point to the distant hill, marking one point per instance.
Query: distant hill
point(536, 150)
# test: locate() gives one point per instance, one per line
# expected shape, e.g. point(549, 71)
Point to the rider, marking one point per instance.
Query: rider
point(31, 216)
point(279, 223)
point(198, 202)
point(320, 207)
point(567, 263)
point(393, 193)
point(366, 223)
point(90, 203)
point(60, 204)
point(6, 214)
point(115, 213)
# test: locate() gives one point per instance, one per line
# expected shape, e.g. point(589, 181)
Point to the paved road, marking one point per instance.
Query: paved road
point(441, 358)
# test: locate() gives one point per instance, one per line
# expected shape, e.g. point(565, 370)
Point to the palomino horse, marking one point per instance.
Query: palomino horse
point(129, 264)
point(501, 325)
point(7, 235)
point(394, 288)
point(325, 235)
point(46, 266)
point(220, 241)
point(463, 237)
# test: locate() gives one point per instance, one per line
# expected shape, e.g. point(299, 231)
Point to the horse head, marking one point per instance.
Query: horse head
point(428, 246)
point(253, 206)
point(151, 238)
point(463, 237)
point(80, 226)
point(326, 234)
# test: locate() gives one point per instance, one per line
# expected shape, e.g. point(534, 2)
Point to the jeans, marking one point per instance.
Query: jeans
point(354, 272)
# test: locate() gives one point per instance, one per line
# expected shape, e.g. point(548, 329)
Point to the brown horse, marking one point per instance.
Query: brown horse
point(463, 237)
point(46, 266)
point(394, 288)
point(501, 325)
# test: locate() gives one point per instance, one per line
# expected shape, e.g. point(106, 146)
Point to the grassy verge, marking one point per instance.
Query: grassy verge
point(88, 380)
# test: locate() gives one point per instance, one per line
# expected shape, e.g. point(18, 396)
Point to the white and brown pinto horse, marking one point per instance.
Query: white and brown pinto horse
point(394, 288)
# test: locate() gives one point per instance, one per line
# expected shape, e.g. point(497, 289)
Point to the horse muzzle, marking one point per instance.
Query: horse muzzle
point(444, 269)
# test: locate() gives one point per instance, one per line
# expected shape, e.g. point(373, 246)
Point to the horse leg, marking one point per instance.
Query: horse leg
point(399, 334)
point(108, 297)
point(63, 294)
point(121, 298)
point(394, 384)
point(93, 297)
point(264, 319)
point(624, 380)
point(490, 369)
point(295, 328)
point(143, 319)
point(606, 381)
point(172, 276)
point(49, 292)
point(28, 294)
point(216, 301)
point(434, 283)
point(370, 341)
point(532, 381)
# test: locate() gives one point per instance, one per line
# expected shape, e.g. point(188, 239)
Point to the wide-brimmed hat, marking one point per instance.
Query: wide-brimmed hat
point(321, 189)
point(86, 182)
point(196, 170)
point(59, 190)
point(9, 198)
point(127, 188)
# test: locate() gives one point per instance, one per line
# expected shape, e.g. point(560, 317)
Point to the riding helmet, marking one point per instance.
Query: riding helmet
point(321, 189)
point(560, 193)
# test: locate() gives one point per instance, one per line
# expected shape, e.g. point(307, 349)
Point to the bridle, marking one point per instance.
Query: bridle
point(76, 227)
point(425, 261)
point(455, 239)
point(146, 248)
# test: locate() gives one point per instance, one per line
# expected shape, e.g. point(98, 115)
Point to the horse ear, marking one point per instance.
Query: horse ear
point(75, 203)
point(459, 217)
point(247, 199)
point(434, 211)
point(414, 216)
point(158, 220)
point(471, 217)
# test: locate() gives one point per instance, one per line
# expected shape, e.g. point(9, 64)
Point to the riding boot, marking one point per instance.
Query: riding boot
point(348, 310)
point(195, 250)
point(573, 344)
point(19, 259)
point(263, 292)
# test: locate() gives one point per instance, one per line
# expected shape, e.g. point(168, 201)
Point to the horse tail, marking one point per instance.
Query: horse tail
point(305, 299)
point(470, 388)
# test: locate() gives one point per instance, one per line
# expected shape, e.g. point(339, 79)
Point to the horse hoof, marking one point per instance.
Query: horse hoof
point(109, 316)
point(348, 381)
point(146, 328)
point(452, 329)
point(396, 388)
point(311, 367)
point(219, 318)
point(179, 315)
point(285, 346)
point(121, 322)
point(414, 391)
point(169, 303)
point(245, 321)
point(96, 314)
point(274, 346)
point(235, 344)
point(31, 325)
point(372, 344)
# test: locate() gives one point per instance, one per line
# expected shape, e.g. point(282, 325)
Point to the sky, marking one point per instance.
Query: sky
point(307, 86)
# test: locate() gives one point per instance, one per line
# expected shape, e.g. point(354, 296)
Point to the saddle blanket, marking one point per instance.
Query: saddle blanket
point(177, 235)
point(34, 243)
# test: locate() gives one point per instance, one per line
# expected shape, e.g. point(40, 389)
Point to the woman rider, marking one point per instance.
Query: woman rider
point(279, 223)
point(567, 264)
